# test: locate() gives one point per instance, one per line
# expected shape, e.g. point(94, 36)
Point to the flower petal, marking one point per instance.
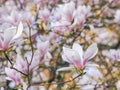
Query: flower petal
point(19, 31)
point(70, 56)
point(8, 35)
point(90, 52)
point(78, 49)
point(43, 47)
point(65, 69)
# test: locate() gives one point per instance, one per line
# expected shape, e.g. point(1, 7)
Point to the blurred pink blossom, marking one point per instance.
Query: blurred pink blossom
point(67, 11)
point(112, 54)
point(44, 15)
point(80, 15)
point(22, 64)
point(60, 27)
point(13, 75)
point(43, 47)
point(9, 35)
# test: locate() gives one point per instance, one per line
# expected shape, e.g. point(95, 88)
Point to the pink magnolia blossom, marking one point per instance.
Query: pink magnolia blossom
point(115, 55)
point(53, 2)
point(8, 35)
point(61, 26)
point(13, 75)
point(22, 64)
point(77, 57)
point(44, 15)
point(10, 5)
point(114, 2)
point(67, 11)
point(41, 3)
point(43, 47)
point(14, 18)
point(56, 15)
point(112, 54)
point(80, 15)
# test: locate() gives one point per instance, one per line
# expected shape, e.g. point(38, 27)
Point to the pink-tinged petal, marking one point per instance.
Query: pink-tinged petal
point(13, 75)
point(7, 71)
point(21, 64)
point(65, 68)
point(19, 31)
point(90, 52)
point(43, 47)
point(8, 35)
point(70, 56)
point(78, 49)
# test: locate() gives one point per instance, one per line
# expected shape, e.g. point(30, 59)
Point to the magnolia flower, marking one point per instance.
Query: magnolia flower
point(80, 15)
point(67, 11)
point(40, 3)
point(84, 10)
point(60, 27)
point(114, 2)
point(22, 64)
point(14, 18)
point(53, 2)
point(115, 55)
point(43, 47)
point(44, 15)
point(77, 57)
point(13, 75)
point(112, 54)
point(8, 35)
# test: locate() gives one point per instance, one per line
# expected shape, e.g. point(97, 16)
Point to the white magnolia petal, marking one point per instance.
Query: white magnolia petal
point(65, 68)
point(8, 35)
point(71, 56)
point(78, 49)
point(43, 47)
point(90, 52)
point(19, 31)
point(8, 78)
point(9, 72)
point(65, 58)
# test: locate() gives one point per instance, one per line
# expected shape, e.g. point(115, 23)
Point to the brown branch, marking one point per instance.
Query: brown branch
point(45, 82)
point(13, 64)
point(30, 42)
point(8, 58)
point(19, 71)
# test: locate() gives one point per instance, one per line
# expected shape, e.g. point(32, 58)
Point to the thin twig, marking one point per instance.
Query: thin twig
point(13, 64)
point(19, 71)
point(45, 82)
point(30, 42)
point(7, 58)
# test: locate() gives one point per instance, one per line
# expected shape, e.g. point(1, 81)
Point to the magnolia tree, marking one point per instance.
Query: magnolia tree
point(59, 44)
